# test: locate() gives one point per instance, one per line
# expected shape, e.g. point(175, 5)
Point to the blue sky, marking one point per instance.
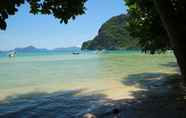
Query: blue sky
point(44, 31)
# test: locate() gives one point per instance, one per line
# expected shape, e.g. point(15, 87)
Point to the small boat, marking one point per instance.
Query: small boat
point(75, 53)
point(100, 51)
point(11, 54)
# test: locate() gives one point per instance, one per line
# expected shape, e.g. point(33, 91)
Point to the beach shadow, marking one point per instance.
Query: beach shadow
point(160, 96)
point(173, 65)
point(170, 64)
point(142, 80)
point(68, 104)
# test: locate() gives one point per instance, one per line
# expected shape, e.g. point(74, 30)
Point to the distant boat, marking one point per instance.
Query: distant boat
point(11, 54)
point(75, 53)
point(100, 51)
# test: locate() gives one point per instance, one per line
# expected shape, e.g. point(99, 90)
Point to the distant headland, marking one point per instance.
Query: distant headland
point(34, 49)
point(112, 36)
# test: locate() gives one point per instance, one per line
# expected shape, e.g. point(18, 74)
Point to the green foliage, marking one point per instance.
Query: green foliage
point(60, 9)
point(112, 35)
point(145, 24)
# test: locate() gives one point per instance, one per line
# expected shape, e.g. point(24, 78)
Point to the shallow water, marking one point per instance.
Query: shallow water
point(59, 84)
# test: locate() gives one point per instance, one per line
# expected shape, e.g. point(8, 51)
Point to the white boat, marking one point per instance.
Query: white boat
point(11, 54)
point(76, 53)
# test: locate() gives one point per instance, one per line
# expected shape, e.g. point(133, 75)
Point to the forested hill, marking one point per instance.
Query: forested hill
point(112, 36)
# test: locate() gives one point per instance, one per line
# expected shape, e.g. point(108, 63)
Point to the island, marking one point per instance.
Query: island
point(112, 36)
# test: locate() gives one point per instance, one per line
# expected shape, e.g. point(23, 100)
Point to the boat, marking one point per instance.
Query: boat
point(100, 51)
point(75, 53)
point(11, 54)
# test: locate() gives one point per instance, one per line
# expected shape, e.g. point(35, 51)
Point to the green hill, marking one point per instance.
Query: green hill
point(112, 36)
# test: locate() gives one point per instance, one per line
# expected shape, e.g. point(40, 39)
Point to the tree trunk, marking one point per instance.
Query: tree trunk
point(174, 21)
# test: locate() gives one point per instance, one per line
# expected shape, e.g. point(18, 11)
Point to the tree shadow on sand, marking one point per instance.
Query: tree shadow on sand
point(66, 104)
point(160, 96)
point(170, 64)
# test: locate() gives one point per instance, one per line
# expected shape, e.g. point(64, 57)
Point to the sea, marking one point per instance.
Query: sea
point(66, 85)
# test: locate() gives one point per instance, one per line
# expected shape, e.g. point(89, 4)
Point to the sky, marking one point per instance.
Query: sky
point(43, 31)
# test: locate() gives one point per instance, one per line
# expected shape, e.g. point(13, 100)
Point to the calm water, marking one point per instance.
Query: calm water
point(51, 84)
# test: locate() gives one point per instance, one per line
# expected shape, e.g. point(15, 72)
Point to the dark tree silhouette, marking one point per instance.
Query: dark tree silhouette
point(145, 24)
point(60, 9)
point(173, 16)
point(158, 23)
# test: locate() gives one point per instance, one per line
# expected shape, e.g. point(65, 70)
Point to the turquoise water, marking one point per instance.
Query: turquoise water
point(54, 72)
point(36, 68)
